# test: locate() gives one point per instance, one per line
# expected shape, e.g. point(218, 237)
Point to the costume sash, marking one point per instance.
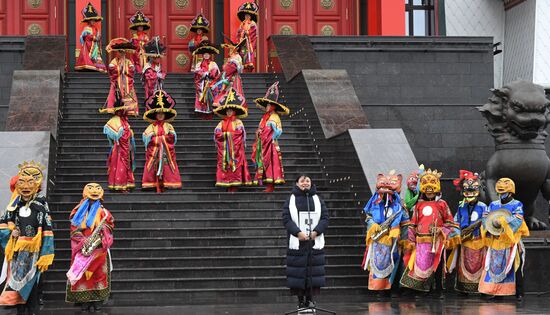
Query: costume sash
point(294, 242)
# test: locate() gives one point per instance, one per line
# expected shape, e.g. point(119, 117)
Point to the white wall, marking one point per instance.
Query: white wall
point(541, 68)
point(477, 18)
point(519, 38)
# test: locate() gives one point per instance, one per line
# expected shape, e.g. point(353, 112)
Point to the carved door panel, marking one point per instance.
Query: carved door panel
point(32, 17)
point(169, 19)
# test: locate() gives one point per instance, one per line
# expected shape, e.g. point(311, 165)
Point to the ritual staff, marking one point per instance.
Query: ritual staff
point(152, 75)
point(306, 218)
point(412, 193)
point(230, 77)
point(27, 239)
point(121, 74)
point(387, 227)
point(89, 57)
point(89, 278)
point(247, 34)
point(266, 153)
point(230, 138)
point(470, 256)
point(199, 33)
point(206, 72)
point(502, 229)
point(121, 161)
point(139, 24)
point(432, 230)
point(161, 168)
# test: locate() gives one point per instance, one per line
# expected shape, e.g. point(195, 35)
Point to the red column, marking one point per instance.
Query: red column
point(386, 17)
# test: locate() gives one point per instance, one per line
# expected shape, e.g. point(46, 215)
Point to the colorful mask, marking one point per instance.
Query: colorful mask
point(505, 185)
point(412, 181)
point(387, 184)
point(29, 179)
point(429, 182)
point(469, 183)
point(93, 191)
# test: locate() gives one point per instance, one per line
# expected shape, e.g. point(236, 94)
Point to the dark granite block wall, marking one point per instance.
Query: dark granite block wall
point(11, 58)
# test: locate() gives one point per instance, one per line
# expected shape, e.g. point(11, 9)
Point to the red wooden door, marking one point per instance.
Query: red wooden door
point(169, 19)
point(32, 17)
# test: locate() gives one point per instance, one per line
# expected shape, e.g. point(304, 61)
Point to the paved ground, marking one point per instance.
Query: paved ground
point(409, 306)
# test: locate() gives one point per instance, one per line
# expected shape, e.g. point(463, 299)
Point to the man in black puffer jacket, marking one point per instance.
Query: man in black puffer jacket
point(304, 208)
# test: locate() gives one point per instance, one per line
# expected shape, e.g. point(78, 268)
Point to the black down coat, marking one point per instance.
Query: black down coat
point(297, 260)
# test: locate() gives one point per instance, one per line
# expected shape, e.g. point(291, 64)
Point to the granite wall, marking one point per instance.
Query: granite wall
point(11, 58)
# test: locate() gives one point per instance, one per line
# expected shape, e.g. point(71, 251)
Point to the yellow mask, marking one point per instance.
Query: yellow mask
point(26, 186)
point(505, 185)
point(429, 182)
point(93, 191)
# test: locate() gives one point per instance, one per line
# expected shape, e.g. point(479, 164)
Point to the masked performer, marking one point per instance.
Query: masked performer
point(230, 77)
point(412, 193)
point(503, 227)
point(89, 57)
point(121, 162)
point(247, 33)
point(89, 278)
point(432, 230)
point(161, 168)
point(121, 74)
point(471, 254)
point(139, 24)
point(266, 153)
point(206, 73)
point(199, 32)
point(153, 76)
point(27, 238)
point(387, 223)
point(230, 138)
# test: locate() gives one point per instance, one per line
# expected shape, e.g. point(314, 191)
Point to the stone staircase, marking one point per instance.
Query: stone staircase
point(199, 244)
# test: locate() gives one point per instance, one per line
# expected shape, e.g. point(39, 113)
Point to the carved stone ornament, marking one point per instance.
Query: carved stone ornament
point(34, 29)
point(182, 31)
point(34, 3)
point(327, 30)
point(139, 4)
point(285, 4)
point(286, 30)
point(182, 4)
point(182, 60)
point(327, 4)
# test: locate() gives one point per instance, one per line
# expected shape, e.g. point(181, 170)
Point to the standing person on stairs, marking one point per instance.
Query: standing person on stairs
point(248, 34)
point(206, 72)
point(161, 168)
point(266, 154)
point(139, 24)
point(230, 77)
point(230, 138)
point(121, 74)
point(153, 76)
point(89, 57)
point(305, 259)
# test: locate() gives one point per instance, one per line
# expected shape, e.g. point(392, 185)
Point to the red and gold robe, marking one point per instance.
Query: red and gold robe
point(95, 284)
point(248, 32)
point(139, 39)
point(230, 78)
point(121, 74)
point(161, 168)
point(205, 72)
point(121, 158)
point(232, 167)
point(152, 78)
point(89, 57)
point(266, 153)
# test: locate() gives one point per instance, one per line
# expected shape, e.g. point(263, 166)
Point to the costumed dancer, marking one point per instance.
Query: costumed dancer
point(89, 57)
point(89, 278)
point(161, 168)
point(266, 153)
point(412, 193)
point(152, 75)
point(469, 257)
point(199, 30)
point(230, 77)
point(247, 33)
point(387, 227)
point(306, 218)
point(230, 138)
point(121, 74)
point(139, 24)
point(121, 162)
point(502, 229)
point(27, 239)
point(431, 232)
point(206, 72)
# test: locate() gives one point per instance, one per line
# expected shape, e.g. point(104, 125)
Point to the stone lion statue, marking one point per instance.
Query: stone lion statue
point(517, 116)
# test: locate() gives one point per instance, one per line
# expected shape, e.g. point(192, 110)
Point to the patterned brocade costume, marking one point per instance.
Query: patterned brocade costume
point(89, 57)
point(121, 157)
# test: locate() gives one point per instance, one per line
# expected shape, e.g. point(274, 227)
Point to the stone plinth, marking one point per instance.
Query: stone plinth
point(295, 53)
point(44, 53)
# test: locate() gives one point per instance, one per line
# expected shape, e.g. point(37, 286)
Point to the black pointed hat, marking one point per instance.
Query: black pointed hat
point(139, 19)
point(206, 47)
point(248, 8)
point(154, 48)
point(120, 44)
point(232, 100)
point(272, 98)
point(89, 13)
point(160, 102)
point(200, 22)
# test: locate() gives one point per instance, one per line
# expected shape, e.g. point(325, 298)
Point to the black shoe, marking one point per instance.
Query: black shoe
point(97, 306)
point(85, 307)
